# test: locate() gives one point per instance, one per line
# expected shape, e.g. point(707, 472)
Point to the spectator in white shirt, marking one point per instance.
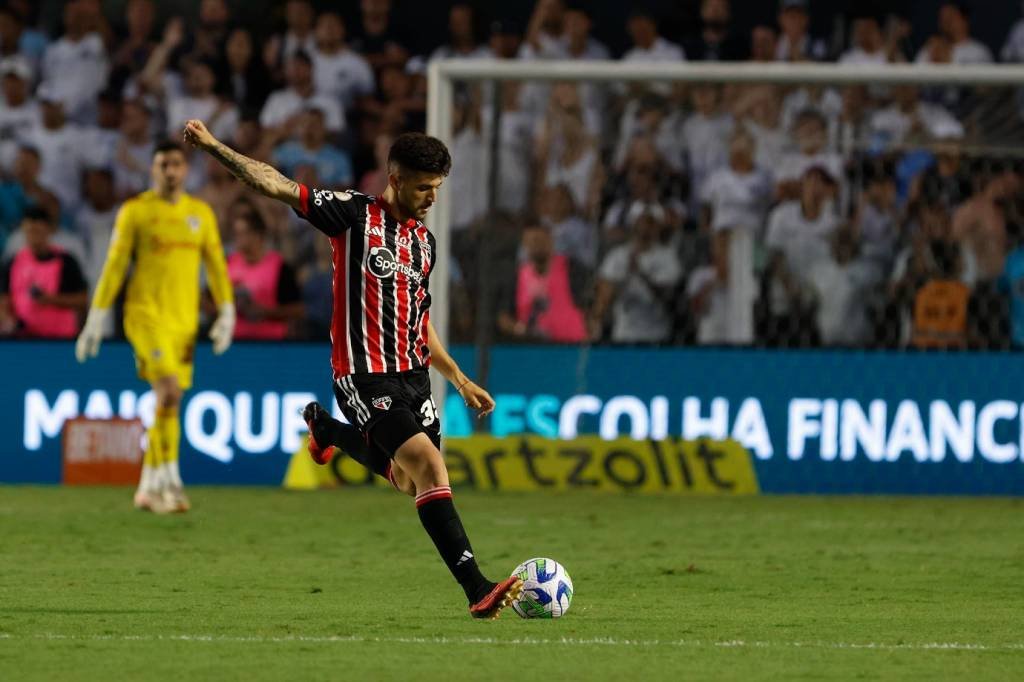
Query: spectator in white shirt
point(94, 221)
point(648, 45)
point(798, 238)
point(954, 44)
point(736, 198)
point(795, 44)
point(20, 111)
point(462, 41)
point(637, 284)
point(284, 105)
point(706, 136)
point(869, 46)
point(840, 290)
point(338, 71)
point(909, 117)
point(133, 153)
point(1013, 48)
point(59, 147)
point(573, 236)
point(199, 100)
point(811, 142)
point(76, 66)
point(299, 18)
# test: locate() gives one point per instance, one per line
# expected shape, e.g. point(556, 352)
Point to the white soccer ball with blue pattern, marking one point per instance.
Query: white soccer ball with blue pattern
point(547, 589)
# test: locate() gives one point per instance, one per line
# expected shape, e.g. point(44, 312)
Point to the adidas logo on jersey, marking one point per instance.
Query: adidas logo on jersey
point(383, 402)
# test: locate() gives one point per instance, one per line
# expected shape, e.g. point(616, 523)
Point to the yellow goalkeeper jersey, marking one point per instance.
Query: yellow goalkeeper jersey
point(166, 243)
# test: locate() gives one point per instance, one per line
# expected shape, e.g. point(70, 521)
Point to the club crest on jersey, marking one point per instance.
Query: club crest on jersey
point(383, 402)
point(381, 263)
point(193, 223)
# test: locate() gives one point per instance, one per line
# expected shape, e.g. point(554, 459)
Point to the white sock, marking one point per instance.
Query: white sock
point(146, 480)
point(174, 475)
point(160, 478)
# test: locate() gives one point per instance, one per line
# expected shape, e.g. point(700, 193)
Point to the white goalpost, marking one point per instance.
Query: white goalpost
point(442, 76)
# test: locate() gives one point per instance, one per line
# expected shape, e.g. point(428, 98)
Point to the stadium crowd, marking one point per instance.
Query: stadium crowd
point(861, 216)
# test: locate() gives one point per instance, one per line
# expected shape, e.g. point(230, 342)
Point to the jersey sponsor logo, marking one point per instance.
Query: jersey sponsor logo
point(382, 264)
point(382, 403)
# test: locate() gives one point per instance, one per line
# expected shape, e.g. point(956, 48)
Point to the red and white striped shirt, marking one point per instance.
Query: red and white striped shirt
point(381, 271)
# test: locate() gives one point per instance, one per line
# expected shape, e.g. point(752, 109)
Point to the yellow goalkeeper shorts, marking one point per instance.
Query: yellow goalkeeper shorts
point(160, 354)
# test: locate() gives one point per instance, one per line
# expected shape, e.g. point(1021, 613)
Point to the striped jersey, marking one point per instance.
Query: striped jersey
point(381, 271)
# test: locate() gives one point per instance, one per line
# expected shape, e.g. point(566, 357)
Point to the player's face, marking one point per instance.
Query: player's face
point(169, 170)
point(417, 192)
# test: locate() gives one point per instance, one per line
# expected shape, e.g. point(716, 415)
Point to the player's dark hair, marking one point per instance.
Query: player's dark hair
point(169, 146)
point(37, 214)
point(302, 56)
point(421, 153)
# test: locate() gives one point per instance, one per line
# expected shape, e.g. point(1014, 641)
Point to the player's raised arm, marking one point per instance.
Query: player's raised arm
point(262, 177)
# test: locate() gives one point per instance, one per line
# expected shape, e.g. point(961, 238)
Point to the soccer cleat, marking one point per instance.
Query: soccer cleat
point(502, 595)
point(146, 500)
point(175, 500)
point(311, 413)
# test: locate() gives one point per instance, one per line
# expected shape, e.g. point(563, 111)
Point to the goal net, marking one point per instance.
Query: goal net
point(758, 205)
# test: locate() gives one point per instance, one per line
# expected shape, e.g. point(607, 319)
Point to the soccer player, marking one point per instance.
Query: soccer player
point(382, 338)
point(168, 233)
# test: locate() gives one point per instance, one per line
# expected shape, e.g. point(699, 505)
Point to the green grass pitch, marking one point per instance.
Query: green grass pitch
point(264, 584)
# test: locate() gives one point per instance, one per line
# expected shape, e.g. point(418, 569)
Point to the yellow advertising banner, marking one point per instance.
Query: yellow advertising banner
point(523, 463)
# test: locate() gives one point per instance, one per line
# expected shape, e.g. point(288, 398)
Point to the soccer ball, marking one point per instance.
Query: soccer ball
point(547, 589)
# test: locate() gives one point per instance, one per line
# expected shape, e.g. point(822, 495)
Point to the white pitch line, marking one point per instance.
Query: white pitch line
point(528, 641)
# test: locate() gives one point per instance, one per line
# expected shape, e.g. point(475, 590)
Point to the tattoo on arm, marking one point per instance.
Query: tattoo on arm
point(262, 177)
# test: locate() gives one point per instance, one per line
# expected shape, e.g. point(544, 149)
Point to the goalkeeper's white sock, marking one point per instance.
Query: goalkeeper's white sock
point(160, 478)
point(173, 474)
point(146, 481)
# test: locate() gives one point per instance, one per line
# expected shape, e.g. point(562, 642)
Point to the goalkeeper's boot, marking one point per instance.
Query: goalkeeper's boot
point(500, 596)
point(150, 500)
point(176, 500)
point(313, 413)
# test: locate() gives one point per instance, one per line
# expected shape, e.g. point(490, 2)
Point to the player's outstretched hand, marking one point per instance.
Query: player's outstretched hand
point(88, 343)
point(197, 135)
point(223, 328)
point(477, 398)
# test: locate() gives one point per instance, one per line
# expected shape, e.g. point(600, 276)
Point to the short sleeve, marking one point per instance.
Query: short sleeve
point(71, 279)
point(5, 277)
point(287, 286)
point(613, 269)
point(331, 212)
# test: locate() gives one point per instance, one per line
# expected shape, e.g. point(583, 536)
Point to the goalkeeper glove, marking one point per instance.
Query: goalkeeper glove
point(223, 328)
point(88, 343)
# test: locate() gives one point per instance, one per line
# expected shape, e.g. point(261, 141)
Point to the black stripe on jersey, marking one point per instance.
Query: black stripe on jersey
point(389, 296)
point(356, 282)
point(413, 329)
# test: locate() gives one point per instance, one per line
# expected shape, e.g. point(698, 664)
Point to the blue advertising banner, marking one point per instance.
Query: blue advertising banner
point(813, 421)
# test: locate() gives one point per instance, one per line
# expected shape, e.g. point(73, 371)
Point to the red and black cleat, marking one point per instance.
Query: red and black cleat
point(311, 413)
point(503, 594)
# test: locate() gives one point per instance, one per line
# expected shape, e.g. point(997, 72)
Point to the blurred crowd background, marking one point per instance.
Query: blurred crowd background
point(860, 216)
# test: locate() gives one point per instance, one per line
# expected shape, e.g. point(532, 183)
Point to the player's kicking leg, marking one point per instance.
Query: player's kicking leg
point(420, 459)
point(326, 435)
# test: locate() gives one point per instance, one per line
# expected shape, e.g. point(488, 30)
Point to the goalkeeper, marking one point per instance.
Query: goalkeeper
point(164, 233)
